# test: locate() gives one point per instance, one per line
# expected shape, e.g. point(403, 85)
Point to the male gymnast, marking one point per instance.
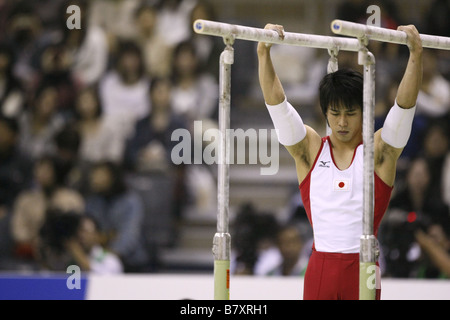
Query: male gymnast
point(330, 169)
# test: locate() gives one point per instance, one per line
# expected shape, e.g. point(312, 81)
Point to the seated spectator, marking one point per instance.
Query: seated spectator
point(31, 205)
point(293, 258)
point(24, 33)
point(436, 150)
point(12, 95)
point(151, 144)
point(157, 53)
point(53, 66)
point(174, 15)
point(116, 18)
point(49, 14)
point(97, 136)
point(412, 206)
point(40, 122)
point(15, 174)
point(119, 213)
point(73, 239)
point(195, 93)
point(254, 234)
point(15, 165)
point(67, 144)
point(434, 96)
point(87, 46)
point(124, 90)
point(419, 125)
point(434, 243)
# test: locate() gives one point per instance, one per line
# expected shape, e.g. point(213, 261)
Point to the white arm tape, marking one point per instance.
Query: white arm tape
point(287, 122)
point(397, 126)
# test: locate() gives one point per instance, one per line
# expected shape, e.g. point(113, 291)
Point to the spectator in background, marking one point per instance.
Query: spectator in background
point(124, 90)
point(436, 151)
point(434, 243)
point(15, 173)
point(12, 95)
point(40, 122)
point(54, 63)
point(73, 239)
point(67, 144)
point(119, 213)
point(15, 165)
point(49, 13)
point(147, 157)
point(116, 18)
point(173, 20)
point(157, 53)
point(436, 22)
point(413, 206)
point(151, 144)
point(208, 48)
point(419, 125)
point(293, 258)
point(195, 93)
point(23, 32)
point(433, 100)
point(418, 196)
point(254, 234)
point(87, 46)
point(30, 207)
point(98, 139)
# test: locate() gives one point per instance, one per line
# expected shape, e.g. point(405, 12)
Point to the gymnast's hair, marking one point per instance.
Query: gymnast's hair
point(341, 89)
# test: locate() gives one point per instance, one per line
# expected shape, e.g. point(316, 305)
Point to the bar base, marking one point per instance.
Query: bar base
point(367, 281)
point(221, 279)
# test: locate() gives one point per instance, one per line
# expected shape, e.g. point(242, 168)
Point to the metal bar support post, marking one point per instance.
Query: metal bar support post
point(368, 242)
point(222, 239)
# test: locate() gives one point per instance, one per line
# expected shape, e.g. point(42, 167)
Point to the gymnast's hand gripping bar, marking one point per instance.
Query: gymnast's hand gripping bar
point(225, 30)
point(358, 30)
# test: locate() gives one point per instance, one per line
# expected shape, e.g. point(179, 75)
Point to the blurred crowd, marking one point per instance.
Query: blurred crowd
point(90, 93)
point(87, 115)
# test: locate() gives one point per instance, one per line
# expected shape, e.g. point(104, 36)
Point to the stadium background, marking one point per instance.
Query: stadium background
point(177, 226)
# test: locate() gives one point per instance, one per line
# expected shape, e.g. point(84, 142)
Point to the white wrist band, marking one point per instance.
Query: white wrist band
point(397, 126)
point(287, 122)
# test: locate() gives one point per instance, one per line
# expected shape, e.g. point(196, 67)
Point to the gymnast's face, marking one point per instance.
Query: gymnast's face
point(345, 123)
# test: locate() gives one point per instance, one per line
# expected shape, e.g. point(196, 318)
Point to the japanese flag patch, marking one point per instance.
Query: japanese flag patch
point(341, 185)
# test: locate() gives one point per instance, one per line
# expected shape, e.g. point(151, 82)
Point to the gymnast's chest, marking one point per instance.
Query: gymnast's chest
point(329, 182)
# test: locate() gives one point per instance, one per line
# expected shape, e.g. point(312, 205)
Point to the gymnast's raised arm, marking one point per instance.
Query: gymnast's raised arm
point(393, 137)
point(301, 141)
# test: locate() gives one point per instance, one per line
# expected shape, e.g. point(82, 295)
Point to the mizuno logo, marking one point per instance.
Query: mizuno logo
point(324, 164)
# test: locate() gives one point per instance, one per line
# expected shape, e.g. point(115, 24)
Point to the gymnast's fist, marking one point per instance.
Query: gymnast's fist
point(414, 42)
point(278, 28)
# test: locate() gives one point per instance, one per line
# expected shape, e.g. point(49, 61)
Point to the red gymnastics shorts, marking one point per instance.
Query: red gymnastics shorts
point(333, 276)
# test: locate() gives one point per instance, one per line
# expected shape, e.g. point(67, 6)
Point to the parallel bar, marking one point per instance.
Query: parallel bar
point(220, 29)
point(358, 30)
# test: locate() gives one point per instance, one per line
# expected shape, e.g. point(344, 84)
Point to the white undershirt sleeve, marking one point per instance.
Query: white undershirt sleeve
point(397, 126)
point(288, 123)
